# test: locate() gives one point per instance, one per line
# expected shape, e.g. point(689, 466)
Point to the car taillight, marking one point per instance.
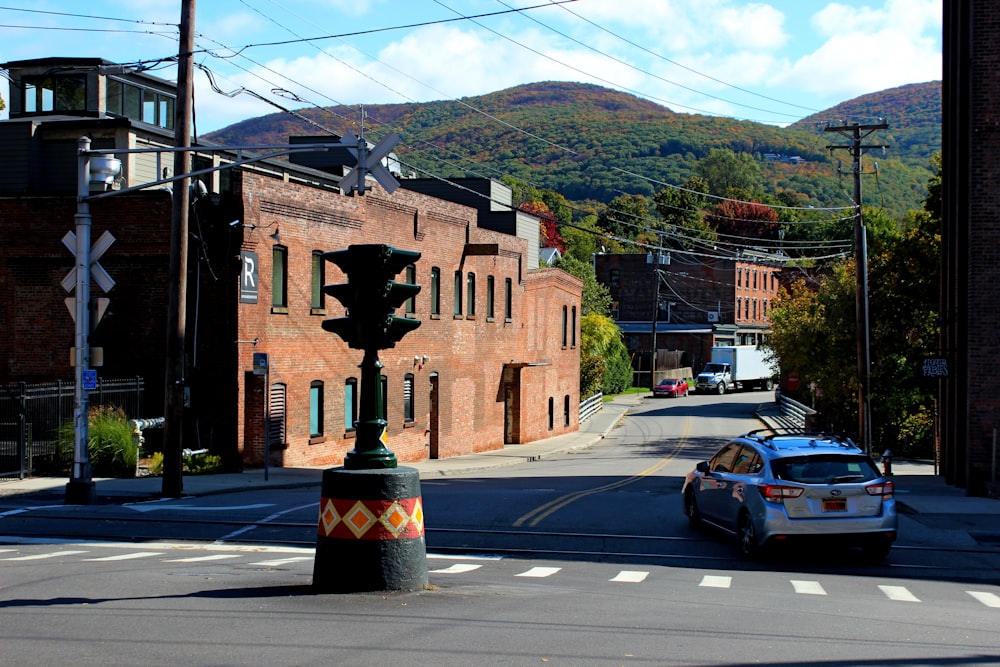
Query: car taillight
point(777, 493)
point(883, 489)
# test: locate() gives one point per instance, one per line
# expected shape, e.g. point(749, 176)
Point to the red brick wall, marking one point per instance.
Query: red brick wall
point(467, 352)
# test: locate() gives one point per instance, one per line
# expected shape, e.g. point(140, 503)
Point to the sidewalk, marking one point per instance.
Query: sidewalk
point(932, 513)
point(50, 490)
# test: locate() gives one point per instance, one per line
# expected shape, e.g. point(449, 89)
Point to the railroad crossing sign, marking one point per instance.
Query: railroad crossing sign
point(369, 162)
point(97, 272)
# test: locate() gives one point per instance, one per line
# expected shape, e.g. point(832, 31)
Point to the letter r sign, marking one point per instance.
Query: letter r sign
point(248, 277)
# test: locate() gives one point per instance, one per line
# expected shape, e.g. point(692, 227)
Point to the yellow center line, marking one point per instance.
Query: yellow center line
point(535, 516)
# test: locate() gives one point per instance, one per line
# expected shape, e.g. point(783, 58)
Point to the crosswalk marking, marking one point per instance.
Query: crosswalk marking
point(988, 599)
point(899, 593)
point(458, 568)
point(196, 559)
point(715, 581)
point(282, 561)
point(630, 576)
point(131, 556)
point(54, 554)
point(539, 572)
point(808, 587)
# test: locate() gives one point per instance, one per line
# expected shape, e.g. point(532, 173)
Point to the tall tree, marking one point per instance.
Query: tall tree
point(727, 172)
point(625, 216)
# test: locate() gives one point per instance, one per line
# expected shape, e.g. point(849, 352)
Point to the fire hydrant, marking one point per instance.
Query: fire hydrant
point(887, 462)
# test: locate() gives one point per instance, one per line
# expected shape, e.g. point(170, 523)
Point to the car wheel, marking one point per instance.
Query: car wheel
point(691, 509)
point(747, 535)
point(721, 388)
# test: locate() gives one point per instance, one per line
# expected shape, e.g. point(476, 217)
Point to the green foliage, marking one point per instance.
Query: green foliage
point(596, 296)
point(618, 370)
point(110, 446)
point(814, 332)
point(728, 173)
point(194, 464)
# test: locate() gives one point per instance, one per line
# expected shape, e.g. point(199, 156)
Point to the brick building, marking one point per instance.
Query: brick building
point(702, 302)
point(969, 389)
point(495, 361)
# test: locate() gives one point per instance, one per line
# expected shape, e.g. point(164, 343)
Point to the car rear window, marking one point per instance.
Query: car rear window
point(825, 469)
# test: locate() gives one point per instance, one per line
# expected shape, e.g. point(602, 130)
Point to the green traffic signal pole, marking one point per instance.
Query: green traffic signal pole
point(370, 451)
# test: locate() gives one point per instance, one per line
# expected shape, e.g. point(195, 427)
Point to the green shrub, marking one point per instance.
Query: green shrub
point(195, 464)
point(109, 442)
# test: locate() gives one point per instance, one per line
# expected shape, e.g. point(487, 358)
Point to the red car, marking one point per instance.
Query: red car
point(673, 387)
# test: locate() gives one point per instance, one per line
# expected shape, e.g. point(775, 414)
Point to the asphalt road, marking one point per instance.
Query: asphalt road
point(584, 559)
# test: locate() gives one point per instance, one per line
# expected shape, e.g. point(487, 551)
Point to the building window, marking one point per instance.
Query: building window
point(316, 409)
point(457, 301)
point(739, 308)
point(489, 298)
point(276, 429)
point(552, 412)
point(508, 308)
point(565, 325)
point(435, 291)
point(566, 410)
point(572, 327)
point(410, 306)
point(408, 397)
point(138, 103)
point(385, 397)
point(470, 293)
point(55, 93)
point(279, 277)
point(318, 279)
point(350, 403)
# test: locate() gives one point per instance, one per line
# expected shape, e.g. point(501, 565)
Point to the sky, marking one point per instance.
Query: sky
point(773, 61)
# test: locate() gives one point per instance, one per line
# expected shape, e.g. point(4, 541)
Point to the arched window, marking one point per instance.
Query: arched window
point(350, 403)
point(276, 428)
point(435, 291)
point(457, 302)
point(408, 397)
point(470, 293)
point(315, 408)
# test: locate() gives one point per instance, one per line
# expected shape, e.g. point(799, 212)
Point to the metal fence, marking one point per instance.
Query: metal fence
point(31, 415)
point(590, 406)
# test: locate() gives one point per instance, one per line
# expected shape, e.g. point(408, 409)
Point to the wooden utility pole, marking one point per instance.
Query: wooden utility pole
point(175, 389)
point(856, 134)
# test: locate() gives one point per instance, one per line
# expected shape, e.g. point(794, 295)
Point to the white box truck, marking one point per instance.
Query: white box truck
point(736, 367)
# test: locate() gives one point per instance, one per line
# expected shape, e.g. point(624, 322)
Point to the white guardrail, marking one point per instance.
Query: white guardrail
point(590, 406)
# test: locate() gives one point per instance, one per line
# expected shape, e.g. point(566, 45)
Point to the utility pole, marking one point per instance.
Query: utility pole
point(656, 317)
point(174, 391)
point(857, 133)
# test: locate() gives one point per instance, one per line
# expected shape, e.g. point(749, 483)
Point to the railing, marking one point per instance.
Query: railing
point(32, 414)
point(800, 415)
point(590, 406)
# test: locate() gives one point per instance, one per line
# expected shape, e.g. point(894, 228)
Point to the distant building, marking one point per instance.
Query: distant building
point(700, 303)
point(496, 359)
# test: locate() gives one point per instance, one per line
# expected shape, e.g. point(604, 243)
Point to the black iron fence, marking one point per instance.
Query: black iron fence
point(31, 415)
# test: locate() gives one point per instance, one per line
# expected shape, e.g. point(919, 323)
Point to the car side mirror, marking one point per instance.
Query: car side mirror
point(702, 467)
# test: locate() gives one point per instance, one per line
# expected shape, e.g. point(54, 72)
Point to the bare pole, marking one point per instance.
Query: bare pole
point(857, 133)
point(174, 391)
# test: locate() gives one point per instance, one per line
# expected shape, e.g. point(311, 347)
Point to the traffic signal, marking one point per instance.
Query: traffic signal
point(371, 296)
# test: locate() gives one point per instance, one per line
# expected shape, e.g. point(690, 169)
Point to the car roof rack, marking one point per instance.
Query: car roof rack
point(758, 435)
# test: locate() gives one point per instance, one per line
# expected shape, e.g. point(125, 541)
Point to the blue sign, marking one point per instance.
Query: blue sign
point(90, 380)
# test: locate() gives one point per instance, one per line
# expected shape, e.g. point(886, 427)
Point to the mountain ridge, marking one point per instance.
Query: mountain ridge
point(591, 143)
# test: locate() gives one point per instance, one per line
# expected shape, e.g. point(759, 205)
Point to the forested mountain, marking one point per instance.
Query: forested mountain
point(592, 144)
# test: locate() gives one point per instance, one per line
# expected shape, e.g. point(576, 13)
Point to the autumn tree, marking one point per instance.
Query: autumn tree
point(814, 331)
point(749, 219)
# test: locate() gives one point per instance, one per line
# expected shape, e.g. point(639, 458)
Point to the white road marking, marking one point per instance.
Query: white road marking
point(714, 581)
point(131, 556)
point(538, 572)
point(458, 568)
point(630, 576)
point(988, 599)
point(282, 561)
point(808, 587)
point(899, 593)
point(54, 554)
point(267, 519)
point(197, 559)
point(197, 508)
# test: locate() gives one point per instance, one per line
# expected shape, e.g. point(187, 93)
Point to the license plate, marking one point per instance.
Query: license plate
point(835, 504)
